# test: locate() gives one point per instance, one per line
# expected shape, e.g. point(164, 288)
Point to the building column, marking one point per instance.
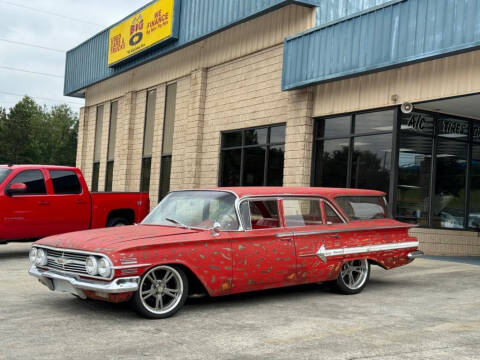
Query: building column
point(89, 145)
point(81, 139)
point(157, 145)
point(299, 138)
point(194, 132)
point(126, 114)
point(104, 147)
point(135, 143)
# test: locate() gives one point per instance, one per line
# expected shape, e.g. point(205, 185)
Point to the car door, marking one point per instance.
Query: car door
point(314, 234)
point(70, 205)
point(26, 215)
point(263, 256)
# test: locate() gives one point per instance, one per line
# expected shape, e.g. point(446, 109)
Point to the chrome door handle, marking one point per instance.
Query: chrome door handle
point(335, 236)
point(286, 239)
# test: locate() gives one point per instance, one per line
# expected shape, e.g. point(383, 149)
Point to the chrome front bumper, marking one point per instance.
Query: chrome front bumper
point(415, 254)
point(51, 279)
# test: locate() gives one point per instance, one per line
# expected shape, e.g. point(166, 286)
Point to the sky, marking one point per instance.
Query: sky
point(54, 24)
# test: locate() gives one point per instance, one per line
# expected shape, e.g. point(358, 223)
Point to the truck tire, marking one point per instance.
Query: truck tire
point(117, 221)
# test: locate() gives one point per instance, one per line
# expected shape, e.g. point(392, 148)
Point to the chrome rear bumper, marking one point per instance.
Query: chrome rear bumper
point(415, 254)
point(117, 286)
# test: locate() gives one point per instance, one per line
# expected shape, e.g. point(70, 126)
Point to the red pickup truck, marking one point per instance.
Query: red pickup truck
point(38, 201)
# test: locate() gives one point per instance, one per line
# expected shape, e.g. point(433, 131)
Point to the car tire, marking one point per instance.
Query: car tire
point(161, 293)
point(353, 277)
point(117, 221)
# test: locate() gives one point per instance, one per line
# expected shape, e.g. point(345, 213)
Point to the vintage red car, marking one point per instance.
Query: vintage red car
point(226, 241)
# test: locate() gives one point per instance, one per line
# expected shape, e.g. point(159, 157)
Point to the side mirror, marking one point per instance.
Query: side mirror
point(216, 229)
point(16, 189)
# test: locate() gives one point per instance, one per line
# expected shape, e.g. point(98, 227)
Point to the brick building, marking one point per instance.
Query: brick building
point(293, 93)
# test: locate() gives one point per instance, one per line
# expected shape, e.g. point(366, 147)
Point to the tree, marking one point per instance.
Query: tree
point(31, 134)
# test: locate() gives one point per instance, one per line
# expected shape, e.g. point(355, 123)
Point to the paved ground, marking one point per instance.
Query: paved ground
point(427, 310)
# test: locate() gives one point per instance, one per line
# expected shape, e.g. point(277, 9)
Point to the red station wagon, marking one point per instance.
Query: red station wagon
point(225, 241)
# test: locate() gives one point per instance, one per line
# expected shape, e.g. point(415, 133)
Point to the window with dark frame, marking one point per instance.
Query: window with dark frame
point(354, 151)
point(97, 148)
point(112, 139)
point(148, 140)
point(167, 142)
point(253, 156)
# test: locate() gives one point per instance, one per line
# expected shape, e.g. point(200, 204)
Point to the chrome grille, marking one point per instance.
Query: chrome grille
point(66, 261)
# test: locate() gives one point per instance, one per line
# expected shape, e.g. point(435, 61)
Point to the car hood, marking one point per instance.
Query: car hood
point(110, 239)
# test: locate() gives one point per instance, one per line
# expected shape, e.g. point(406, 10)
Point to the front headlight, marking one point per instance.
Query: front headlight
point(91, 265)
point(41, 258)
point(33, 255)
point(104, 268)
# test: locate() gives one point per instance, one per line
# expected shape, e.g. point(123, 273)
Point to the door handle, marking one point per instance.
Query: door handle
point(81, 202)
point(286, 239)
point(43, 203)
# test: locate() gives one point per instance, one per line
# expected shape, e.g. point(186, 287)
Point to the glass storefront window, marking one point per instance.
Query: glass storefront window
point(332, 163)
point(413, 187)
point(449, 197)
point(334, 127)
point(372, 160)
point(474, 217)
point(374, 122)
point(253, 157)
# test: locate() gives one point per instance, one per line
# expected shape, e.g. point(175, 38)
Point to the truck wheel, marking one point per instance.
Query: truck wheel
point(353, 277)
point(161, 293)
point(117, 221)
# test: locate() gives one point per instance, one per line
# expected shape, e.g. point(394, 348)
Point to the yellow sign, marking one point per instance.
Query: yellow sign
point(152, 25)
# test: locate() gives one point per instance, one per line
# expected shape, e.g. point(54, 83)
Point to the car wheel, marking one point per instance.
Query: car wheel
point(117, 221)
point(161, 293)
point(353, 277)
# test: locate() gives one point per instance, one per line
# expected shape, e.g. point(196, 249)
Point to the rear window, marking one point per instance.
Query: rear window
point(3, 174)
point(65, 182)
point(363, 207)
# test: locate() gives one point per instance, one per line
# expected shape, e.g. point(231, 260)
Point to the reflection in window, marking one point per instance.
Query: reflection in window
point(302, 212)
point(474, 217)
point(344, 159)
point(449, 199)
point(414, 167)
point(253, 157)
point(372, 162)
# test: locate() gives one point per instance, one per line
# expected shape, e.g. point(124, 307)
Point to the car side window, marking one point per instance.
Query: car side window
point(263, 215)
point(331, 216)
point(302, 212)
point(34, 181)
point(65, 182)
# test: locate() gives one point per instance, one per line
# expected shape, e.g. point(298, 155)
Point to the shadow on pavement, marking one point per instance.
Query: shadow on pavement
point(471, 260)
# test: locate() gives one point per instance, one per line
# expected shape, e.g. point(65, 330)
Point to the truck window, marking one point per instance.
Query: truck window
point(65, 182)
point(3, 174)
point(34, 181)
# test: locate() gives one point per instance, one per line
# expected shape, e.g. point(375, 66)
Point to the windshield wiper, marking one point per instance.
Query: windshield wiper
point(176, 222)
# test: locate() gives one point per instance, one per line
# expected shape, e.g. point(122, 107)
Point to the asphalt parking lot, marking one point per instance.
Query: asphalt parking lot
point(429, 309)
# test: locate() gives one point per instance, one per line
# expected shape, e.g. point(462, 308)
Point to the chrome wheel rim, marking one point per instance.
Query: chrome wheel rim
point(354, 273)
point(161, 289)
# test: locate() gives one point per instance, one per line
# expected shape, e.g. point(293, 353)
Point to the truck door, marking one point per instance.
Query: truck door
point(26, 214)
point(70, 206)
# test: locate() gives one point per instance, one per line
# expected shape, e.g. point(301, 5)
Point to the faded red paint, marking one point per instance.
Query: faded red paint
point(235, 262)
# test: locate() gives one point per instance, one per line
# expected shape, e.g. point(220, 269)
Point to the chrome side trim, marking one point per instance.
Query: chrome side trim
point(323, 253)
point(117, 286)
point(130, 266)
point(283, 235)
point(320, 232)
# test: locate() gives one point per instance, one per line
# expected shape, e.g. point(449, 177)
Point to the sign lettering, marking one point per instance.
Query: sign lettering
point(149, 27)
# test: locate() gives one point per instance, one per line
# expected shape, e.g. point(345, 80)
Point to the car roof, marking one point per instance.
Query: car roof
point(299, 191)
point(35, 167)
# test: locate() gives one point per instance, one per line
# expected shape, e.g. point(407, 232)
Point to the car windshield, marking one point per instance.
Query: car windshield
point(196, 209)
point(3, 174)
point(363, 207)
